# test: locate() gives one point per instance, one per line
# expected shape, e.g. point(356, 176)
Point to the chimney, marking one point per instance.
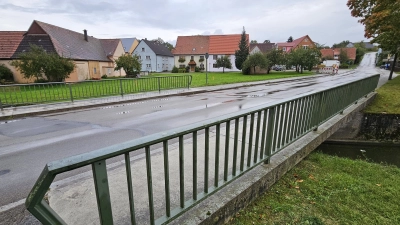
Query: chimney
point(85, 34)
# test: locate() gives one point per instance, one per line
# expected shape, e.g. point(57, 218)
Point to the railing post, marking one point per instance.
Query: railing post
point(1, 105)
point(268, 135)
point(159, 85)
point(70, 92)
point(102, 192)
point(120, 86)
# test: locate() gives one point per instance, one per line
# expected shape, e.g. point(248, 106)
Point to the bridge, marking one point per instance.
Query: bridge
point(201, 172)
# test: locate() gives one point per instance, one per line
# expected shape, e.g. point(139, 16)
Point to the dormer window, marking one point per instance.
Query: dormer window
point(142, 49)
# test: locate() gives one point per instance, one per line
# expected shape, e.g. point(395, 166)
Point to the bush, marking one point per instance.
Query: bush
point(41, 80)
point(104, 77)
point(182, 71)
point(245, 69)
point(197, 69)
point(5, 73)
point(175, 70)
point(344, 66)
point(187, 69)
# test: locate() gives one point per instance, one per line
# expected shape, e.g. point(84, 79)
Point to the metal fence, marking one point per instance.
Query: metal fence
point(28, 94)
point(242, 141)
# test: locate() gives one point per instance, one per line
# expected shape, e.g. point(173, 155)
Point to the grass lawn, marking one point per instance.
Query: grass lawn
point(325, 189)
point(40, 93)
point(199, 79)
point(388, 98)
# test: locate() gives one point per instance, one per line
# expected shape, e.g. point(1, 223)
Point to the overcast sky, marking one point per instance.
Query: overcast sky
point(325, 21)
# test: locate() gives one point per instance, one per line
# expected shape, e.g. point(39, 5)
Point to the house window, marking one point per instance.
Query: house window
point(94, 70)
point(158, 65)
point(202, 66)
point(140, 57)
point(109, 71)
point(148, 65)
point(202, 57)
point(147, 57)
point(142, 49)
point(215, 57)
point(284, 49)
point(191, 57)
point(305, 46)
point(215, 65)
point(182, 66)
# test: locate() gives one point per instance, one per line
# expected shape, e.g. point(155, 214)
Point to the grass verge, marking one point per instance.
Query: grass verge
point(387, 99)
point(199, 79)
point(325, 189)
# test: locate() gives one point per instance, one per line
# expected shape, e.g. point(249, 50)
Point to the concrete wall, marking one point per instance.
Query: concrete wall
point(18, 76)
point(211, 62)
point(196, 59)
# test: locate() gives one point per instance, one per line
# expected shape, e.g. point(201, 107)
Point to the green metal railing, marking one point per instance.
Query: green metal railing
point(244, 139)
point(28, 94)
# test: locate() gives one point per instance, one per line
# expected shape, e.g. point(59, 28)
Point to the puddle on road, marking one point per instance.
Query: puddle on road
point(2, 172)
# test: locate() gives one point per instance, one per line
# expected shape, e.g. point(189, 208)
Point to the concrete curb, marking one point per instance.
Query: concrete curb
point(223, 205)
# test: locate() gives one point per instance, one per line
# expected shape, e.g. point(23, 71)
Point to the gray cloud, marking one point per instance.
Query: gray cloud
point(326, 21)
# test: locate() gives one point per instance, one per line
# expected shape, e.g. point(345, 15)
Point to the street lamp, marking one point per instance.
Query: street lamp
point(206, 68)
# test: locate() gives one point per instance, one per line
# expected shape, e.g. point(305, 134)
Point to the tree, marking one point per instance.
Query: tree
point(253, 42)
point(343, 58)
point(166, 44)
point(275, 57)
point(290, 39)
point(243, 52)
point(304, 58)
point(131, 64)
point(255, 60)
point(267, 41)
point(42, 65)
point(5, 73)
point(382, 23)
point(224, 62)
point(169, 46)
point(342, 44)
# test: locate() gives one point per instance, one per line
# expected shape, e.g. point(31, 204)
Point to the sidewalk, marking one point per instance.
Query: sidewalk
point(22, 111)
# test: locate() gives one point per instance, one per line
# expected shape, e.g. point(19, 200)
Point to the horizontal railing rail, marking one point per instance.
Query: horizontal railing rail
point(242, 141)
point(37, 93)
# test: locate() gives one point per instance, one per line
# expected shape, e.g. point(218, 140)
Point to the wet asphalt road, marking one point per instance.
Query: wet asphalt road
point(26, 145)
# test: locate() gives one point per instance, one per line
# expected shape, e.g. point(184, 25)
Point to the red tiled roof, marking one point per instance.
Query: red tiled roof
point(351, 52)
point(9, 41)
point(213, 44)
point(225, 44)
point(186, 45)
point(292, 44)
point(327, 52)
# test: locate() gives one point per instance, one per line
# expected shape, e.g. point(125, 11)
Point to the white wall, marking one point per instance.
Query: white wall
point(211, 61)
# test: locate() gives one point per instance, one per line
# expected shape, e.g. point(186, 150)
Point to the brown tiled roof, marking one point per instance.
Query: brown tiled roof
point(225, 44)
point(70, 43)
point(110, 45)
point(9, 41)
point(351, 52)
point(264, 47)
point(186, 45)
